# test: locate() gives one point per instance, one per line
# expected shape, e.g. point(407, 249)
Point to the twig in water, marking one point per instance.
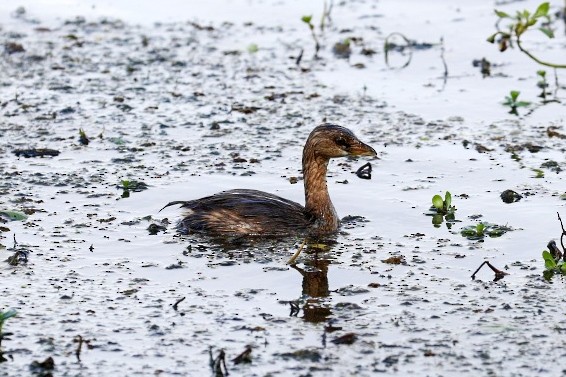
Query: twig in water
point(326, 14)
point(244, 357)
point(387, 47)
point(78, 339)
point(300, 57)
point(364, 172)
point(217, 363)
point(178, 302)
point(295, 309)
point(498, 273)
point(563, 232)
point(445, 74)
point(297, 253)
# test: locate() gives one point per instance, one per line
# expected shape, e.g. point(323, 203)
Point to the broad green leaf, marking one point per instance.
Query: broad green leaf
point(531, 22)
point(549, 263)
point(522, 104)
point(514, 94)
point(548, 32)
point(501, 14)
point(546, 255)
point(447, 200)
point(14, 215)
point(480, 228)
point(437, 202)
point(542, 10)
point(541, 73)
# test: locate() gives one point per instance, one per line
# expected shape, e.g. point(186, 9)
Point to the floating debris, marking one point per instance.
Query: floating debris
point(348, 338)
point(364, 172)
point(27, 153)
point(498, 273)
point(510, 196)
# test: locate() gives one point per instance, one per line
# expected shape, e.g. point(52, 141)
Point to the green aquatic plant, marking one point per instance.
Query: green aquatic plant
point(512, 100)
point(521, 22)
point(13, 215)
point(441, 210)
point(443, 206)
point(4, 316)
point(83, 139)
point(131, 185)
point(482, 230)
point(308, 20)
point(554, 258)
point(542, 83)
point(539, 173)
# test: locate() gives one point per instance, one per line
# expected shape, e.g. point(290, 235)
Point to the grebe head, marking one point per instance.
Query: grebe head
point(329, 141)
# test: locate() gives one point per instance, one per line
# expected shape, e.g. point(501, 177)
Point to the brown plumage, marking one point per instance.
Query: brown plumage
point(251, 212)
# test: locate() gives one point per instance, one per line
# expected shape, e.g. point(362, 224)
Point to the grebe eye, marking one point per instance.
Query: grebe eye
point(342, 142)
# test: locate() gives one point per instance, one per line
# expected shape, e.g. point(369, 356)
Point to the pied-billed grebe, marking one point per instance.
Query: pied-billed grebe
point(251, 212)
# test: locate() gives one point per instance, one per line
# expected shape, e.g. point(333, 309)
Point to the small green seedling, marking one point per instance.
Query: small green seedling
point(442, 209)
point(308, 20)
point(542, 84)
point(482, 230)
point(512, 100)
point(83, 139)
point(131, 185)
point(520, 23)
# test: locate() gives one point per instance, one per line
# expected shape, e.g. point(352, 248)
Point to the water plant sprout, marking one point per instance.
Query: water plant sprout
point(520, 23)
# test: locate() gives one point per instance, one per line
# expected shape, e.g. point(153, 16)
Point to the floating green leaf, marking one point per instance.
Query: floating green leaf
point(447, 200)
point(481, 230)
point(549, 261)
point(437, 202)
point(14, 215)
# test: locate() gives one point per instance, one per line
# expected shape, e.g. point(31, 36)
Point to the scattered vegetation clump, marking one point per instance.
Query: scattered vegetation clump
point(442, 210)
point(484, 229)
point(131, 185)
point(554, 258)
point(520, 23)
point(512, 101)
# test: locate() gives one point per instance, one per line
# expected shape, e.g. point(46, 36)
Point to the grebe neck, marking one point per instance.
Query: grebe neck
point(317, 199)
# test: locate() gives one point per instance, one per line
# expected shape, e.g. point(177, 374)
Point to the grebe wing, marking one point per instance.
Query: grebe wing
point(244, 211)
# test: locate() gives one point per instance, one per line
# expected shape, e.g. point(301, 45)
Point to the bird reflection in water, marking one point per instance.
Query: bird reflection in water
point(315, 289)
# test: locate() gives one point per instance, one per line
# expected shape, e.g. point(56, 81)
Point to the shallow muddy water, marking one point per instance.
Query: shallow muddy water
point(190, 108)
